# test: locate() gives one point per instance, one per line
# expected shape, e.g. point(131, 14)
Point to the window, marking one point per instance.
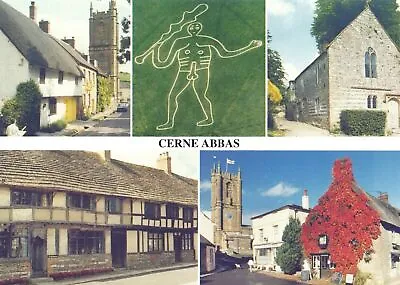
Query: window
point(85, 242)
point(60, 77)
point(76, 80)
point(53, 105)
point(317, 105)
point(172, 211)
point(156, 241)
point(114, 205)
point(14, 244)
point(370, 64)
point(187, 241)
point(317, 75)
point(42, 76)
point(394, 259)
point(152, 211)
point(371, 102)
point(262, 252)
point(20, 197)
point(81, 201)
point(275, 232)
point(187, 214)
point(261, 235)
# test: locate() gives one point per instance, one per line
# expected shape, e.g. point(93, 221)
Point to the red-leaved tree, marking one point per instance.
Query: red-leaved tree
point(344, 215)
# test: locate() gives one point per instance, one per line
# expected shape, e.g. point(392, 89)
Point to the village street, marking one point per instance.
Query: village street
point(187, 276)
point(299, 129)
point(116, 124)
point(243, 277)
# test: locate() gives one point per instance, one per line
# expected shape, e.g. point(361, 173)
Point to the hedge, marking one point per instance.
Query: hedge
point(363, 122)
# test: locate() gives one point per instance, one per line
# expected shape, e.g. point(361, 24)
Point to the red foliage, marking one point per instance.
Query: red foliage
point(343, 214)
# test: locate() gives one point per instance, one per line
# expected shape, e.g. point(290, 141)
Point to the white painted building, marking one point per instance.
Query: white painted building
point(268, 230)
point(30, 53)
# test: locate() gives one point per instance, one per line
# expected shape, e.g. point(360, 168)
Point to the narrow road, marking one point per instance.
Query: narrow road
point(117, 124)
point(299, 129)
point(243, 277)
point(188, 276)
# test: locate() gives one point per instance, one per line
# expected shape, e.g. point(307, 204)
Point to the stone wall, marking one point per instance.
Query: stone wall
point(150, 260)
point(188, 256)
point(15, 270)
point(77, 265)
point(349, 88)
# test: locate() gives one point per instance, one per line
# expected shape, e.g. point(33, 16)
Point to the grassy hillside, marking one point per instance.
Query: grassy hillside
point(237, 85)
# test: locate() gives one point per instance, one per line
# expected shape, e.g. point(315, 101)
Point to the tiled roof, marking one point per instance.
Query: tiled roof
point(86, 172)
point(34, 44)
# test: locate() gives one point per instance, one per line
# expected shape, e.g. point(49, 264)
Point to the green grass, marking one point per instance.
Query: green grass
point(237, 85)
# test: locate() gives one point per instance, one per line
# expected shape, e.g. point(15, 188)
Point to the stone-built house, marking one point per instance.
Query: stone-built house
point(67, 81)
point(207, 255)
point(359, 69)
point(268, 230)
point(67, 213)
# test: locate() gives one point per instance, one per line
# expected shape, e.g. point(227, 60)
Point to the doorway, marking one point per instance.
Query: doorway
point(178, 247)
point(38, 257)
point(118, 248)
point(393, 114)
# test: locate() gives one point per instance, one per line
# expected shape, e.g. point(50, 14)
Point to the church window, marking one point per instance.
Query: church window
point(371, 102)
point(370, 64)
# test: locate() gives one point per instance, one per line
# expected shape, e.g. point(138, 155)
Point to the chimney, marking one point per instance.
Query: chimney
point(164, 162)
point(32, 11)
point(384, 197)
point(105, 155)
point(70, 41)
point(44, 26)
point(305, 202)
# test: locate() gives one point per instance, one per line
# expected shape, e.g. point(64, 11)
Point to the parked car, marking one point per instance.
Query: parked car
point(123, 107)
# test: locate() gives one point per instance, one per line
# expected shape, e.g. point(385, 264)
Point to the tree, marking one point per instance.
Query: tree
point(289, 256)
point(24, 107)
point(105, 91)
point(125, 41)
point(332, 16)
point(344, 215)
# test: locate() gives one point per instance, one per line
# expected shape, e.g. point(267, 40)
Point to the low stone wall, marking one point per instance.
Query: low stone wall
point(188, 255)
point(78, 265)
point(150, 260)
point(14, 270)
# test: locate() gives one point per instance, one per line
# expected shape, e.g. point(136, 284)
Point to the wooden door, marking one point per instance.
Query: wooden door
point(38, 257)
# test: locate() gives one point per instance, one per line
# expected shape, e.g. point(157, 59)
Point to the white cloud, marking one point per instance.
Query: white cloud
point(280, 7)
point(205, 185)
point(281, 189)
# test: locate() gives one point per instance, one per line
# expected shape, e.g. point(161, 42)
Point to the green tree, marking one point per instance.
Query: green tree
point(105, 92)
point(289, 256)
point(24, 107)
point(332, 16)
point(124, 54)
point(276, 74)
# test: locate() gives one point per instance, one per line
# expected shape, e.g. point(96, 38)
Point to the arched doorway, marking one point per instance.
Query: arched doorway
point(393, 114)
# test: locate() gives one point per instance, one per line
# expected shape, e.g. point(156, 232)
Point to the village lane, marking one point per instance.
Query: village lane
point(300, 129)
point(243, 277)
point(116, 124)
point(187, 276)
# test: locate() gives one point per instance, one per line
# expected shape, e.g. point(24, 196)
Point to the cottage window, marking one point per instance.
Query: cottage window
point(31, 198)
point(60, 77)
point(52, 105)
point(262, 252)
point(14, 244)
point(187, 214)
point(172, 211)
point(42, 75)
point(85, 242)
point(155, 241)
point(187, 241)
point(114, 205)
point(370, 64)
point(81, 201)
point(152, 211)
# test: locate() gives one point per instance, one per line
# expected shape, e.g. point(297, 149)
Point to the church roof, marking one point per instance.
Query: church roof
point(86, 172)
point(34, 44)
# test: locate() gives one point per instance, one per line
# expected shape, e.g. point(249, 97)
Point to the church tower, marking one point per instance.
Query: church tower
point(226, 203)
point(104, 42)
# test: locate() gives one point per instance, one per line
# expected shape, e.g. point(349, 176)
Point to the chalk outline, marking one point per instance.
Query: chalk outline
point(162, 64)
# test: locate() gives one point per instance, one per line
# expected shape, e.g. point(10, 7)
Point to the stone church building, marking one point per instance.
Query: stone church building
point(104, 42)
point(230, 234)
point(359, 69)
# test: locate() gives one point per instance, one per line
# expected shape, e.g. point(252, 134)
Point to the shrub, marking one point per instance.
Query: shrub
point(105, 91)
point(290, 254)
point(363, 122)
point(361, 278)
point(55, 127)
point(24, 107)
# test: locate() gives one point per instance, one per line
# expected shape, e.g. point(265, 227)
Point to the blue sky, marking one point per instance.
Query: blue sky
point(71, 18)
point(272, 179)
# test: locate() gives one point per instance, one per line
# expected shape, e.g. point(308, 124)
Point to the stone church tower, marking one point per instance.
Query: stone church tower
point(104, 42)
point(226, 212)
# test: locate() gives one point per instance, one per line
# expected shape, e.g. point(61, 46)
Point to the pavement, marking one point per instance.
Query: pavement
point(107, 123)
point(299, 129)
point(243, 277)
point(187, 272)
